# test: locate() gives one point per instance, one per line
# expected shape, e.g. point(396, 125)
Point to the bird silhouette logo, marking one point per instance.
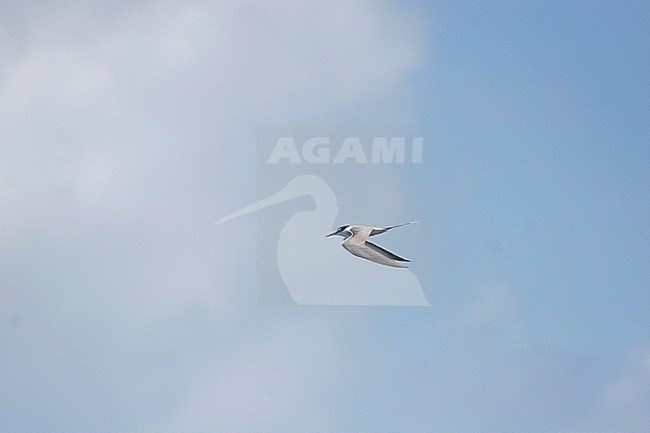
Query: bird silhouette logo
point(316, 273)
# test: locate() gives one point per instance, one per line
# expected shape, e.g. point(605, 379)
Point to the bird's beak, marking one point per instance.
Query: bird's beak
point(331, 234)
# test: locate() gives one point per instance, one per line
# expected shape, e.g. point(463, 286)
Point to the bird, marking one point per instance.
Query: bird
point(357, 244)
point(306, 262)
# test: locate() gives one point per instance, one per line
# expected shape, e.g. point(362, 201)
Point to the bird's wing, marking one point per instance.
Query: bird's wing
point(385, 252)
point(374, 253)
point(380, 230)
point(359, 234)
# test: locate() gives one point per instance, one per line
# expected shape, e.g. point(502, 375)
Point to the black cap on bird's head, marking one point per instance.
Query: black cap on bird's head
point(341, 231)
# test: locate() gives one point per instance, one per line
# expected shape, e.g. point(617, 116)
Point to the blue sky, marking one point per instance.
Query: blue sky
point(547, 108)
point(126, 132)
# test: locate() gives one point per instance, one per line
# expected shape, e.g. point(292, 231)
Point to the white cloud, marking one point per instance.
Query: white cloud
point(277, 379)
point(623, 403)
point(126, 134)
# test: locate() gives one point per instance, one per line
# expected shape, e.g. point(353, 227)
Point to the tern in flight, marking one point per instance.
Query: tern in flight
point(305, 259)
point(357, 243)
